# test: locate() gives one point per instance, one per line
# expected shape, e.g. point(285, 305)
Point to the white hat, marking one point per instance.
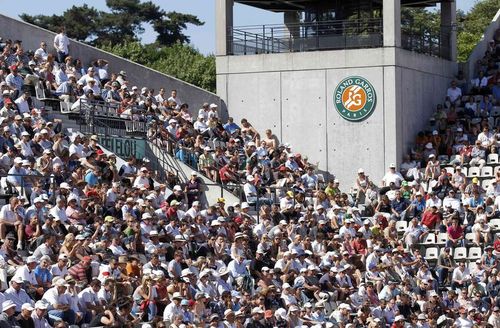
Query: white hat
point(399, 318)
point(153, 233)
point(18, 160)
point(41, 305)
point(213, 105)
point(24, 133)
point(26, 162)
point(392, 166)
point(7, 305)
point(177, 295)
point(172, 121)
point(64, 185)
point(61, 283)
point(361, 170)
point(257, 310)
point(428, 145)
point(245, 205)
point(177, 188)
point(27, 306)
point(146, 216)
point(194, 173)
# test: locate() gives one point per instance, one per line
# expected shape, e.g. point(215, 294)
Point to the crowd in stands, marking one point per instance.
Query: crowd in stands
point(87, 242)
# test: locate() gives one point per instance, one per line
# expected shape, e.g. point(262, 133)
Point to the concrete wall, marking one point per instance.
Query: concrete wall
point(293, 95)
point(481, 46)
point(137, 74)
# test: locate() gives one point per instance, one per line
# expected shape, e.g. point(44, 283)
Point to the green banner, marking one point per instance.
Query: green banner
point(124, 147)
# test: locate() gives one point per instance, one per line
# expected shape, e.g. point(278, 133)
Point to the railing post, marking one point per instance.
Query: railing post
point(245, 42)
point(272, 39)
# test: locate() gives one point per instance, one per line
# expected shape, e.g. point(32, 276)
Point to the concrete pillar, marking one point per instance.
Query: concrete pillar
point(223, 26)
point(292, 20)
point(448, 30)
point(392, 23)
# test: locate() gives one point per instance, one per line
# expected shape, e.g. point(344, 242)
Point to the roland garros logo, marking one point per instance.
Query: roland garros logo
point(355, 98)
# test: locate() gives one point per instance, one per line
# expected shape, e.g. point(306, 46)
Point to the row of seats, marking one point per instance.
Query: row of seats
point(459, 253)
point(492, 159)
point(475, 171)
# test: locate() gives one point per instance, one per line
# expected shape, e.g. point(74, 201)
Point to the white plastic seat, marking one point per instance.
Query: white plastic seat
point(492, 159)
point(460, 253)
point(442, 238)
point(430, 239)
point(450, 169)
point(469, 237)
point(431, 253)
point(475, 253)
point(473, 172)
point(401, 226)
point(495, 111)
point(487, 171)
point(487, 183)
point(495, 224)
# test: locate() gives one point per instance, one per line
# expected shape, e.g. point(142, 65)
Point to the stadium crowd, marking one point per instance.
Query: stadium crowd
point(88, 242)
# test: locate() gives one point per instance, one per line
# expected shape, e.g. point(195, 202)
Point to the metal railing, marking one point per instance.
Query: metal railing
point(8, 189)
point(426, 42)
point(326, 35)
point(97, 117)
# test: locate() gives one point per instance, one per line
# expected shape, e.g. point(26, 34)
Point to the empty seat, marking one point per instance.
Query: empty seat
point(430, 239)
point(473, 172)
point(460, 253)
point(487, 183)
point(443, 158)
point(431, 253)
point(450, 169)
point(469, 237)
point(492, 159)
point(487, 171)
point(495, 224)
point(401, 226)
point(442, 238)
point(475, 253)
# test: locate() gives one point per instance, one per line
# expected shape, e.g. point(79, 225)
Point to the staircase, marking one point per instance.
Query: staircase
point(162, 162)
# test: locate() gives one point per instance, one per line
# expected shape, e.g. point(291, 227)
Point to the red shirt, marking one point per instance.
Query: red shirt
point(455, 233)
point(430, 219)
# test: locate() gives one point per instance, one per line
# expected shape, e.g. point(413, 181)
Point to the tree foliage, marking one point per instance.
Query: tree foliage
point(472, 26)
point(124, 22)
point(179, 60)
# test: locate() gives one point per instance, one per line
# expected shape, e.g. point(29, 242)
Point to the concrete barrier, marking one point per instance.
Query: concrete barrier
point(139, 75)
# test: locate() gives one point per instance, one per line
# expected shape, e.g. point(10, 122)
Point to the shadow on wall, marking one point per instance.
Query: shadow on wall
point(139, 75)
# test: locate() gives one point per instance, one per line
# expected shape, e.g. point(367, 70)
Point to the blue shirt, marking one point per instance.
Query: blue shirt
point(231, 127)
point(91, 179)
point(43, 274)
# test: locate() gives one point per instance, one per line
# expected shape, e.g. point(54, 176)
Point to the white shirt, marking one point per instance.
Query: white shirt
point(41, 53)
point(58, 272)
point(7, 214)
point(392, 177)
point(23, 105)
point(52, 297)
point(454, 93)
point(170, 311)
point(19, 298)
point(61, 42)
point(26, 275)
point(87, 296)
point(76, 149)
point(59, 213)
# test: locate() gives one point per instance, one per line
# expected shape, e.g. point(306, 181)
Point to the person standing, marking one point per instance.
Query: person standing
point(61, 43)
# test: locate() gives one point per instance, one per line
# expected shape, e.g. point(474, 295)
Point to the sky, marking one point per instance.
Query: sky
point(202, 37)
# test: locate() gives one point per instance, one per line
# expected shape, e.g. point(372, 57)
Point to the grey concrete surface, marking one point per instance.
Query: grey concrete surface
point(292, 94)
point(139, 75)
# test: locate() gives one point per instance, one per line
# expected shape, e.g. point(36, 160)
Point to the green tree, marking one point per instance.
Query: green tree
point(472, 26)
point(123, 22)
point(180, 60)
